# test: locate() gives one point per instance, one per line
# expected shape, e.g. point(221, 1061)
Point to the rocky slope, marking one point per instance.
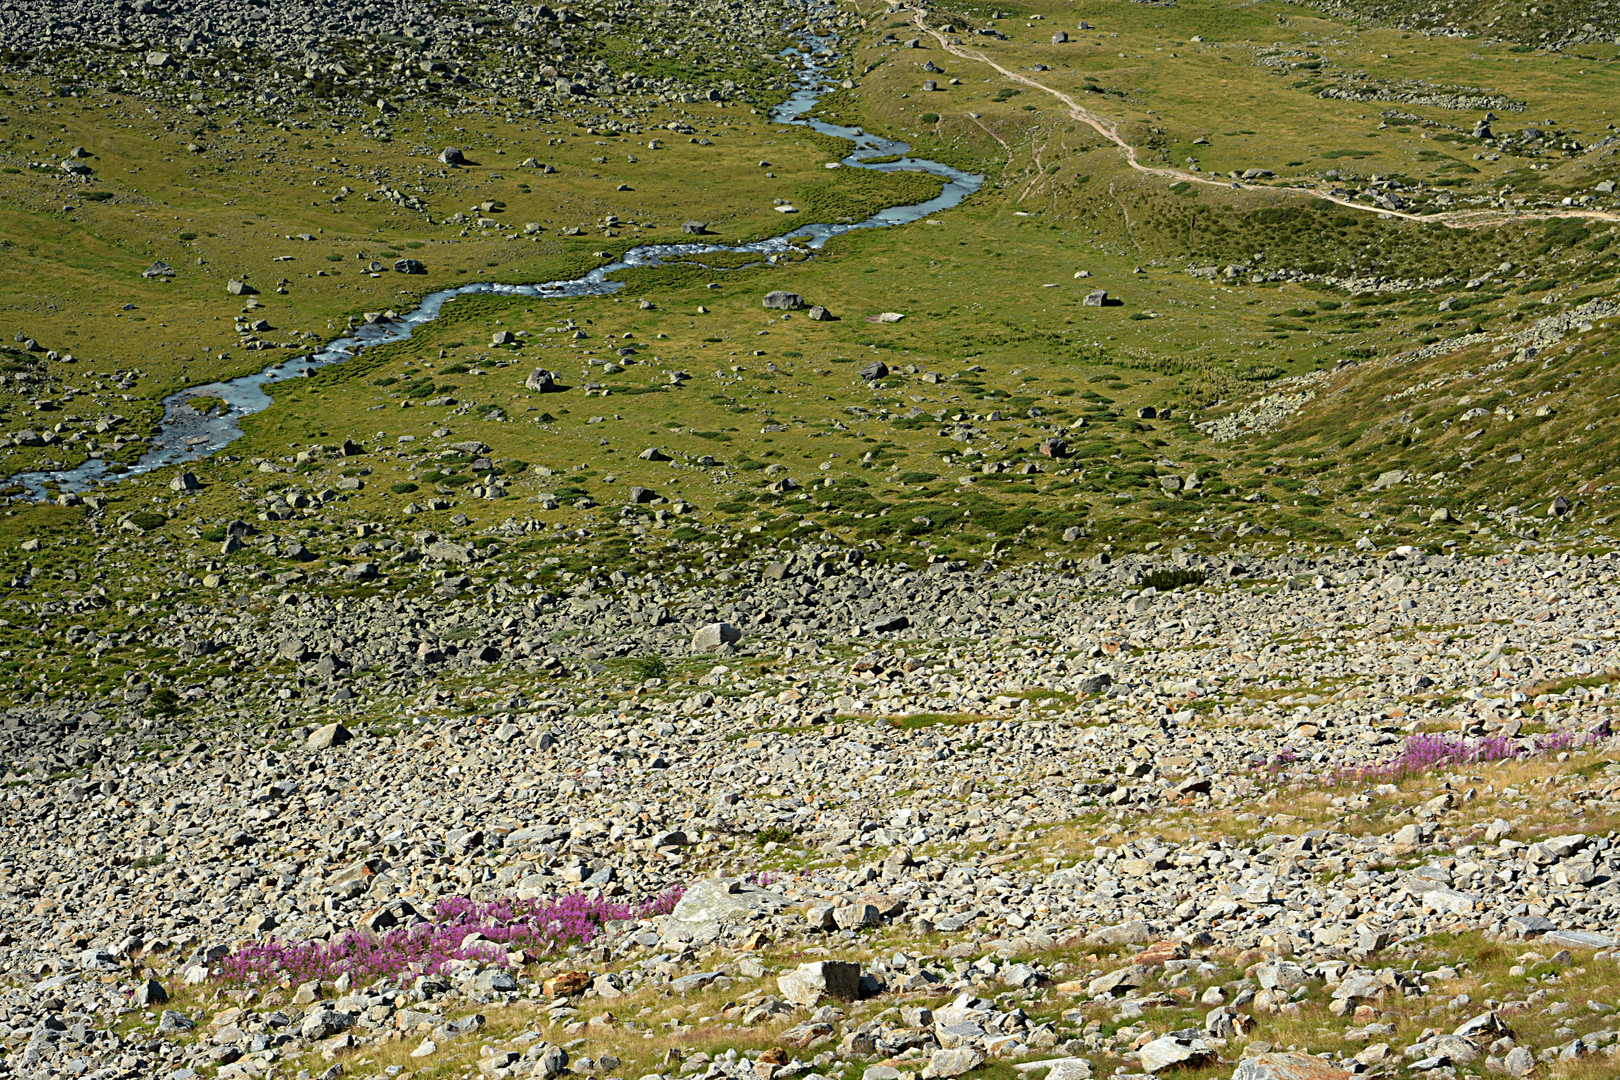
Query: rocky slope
point(1040, 767)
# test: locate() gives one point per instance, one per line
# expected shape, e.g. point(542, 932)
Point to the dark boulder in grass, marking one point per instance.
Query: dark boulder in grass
point(409, 266)
point(542, 381)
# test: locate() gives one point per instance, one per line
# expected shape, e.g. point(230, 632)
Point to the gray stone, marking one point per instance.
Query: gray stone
point(1093, 684)
point(1173, 1052)
point(1519, 1061)
point(781, 300)
point(809, 984)
point(722, 901)
point(951, 1063)
point(1289, 1066)
point(150, 992)
point(1125, 933)
point(1071, 1068)
point(330, 735)
point(323, 1024)
point(1581, 939)
point(714, 636)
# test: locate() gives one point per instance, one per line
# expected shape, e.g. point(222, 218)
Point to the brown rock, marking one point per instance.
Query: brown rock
point(1289, 1067)
point(566, 984)
point(1157, 953)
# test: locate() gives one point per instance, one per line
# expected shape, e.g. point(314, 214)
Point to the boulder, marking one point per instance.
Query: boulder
point(1175, 1052)
point(330, 735)
point(694, 228)
point(542, 381)
point(409, 266)
point(150, 992)
point(820, 314)
point(452, 155)
point(810, 984)
point(874, 371)
point(715, 635)
point(710, 906)
point(784, 301)
point(1289, 1067)
point(951, 1063)
point(1071, 1068)
point(1125, 933)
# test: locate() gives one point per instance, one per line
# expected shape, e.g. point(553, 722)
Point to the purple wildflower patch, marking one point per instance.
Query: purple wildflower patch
point(484, 932)
point(1425, 753)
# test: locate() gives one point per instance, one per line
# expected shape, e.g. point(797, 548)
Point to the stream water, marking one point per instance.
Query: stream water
point(188, 435)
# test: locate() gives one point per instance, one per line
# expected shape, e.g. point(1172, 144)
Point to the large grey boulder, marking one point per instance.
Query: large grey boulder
point(323, 1023)
point(809, 985)
point(1289, 1067)
point(1175, 1052)
point(449, 551)
point(1125, 933)
point(951, 1063)
point(1282, 975)
point(330, 735)
point(784, 301)
point(715, 636)
point(1071, 1068)
point(710, 906)
point(541, 381)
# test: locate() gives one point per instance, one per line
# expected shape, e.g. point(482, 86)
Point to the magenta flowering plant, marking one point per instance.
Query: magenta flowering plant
point(1424, 753)
point(483, 931)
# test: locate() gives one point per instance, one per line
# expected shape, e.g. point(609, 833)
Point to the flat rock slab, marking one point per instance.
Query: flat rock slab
point(1581, 939)
point(711, 905)
point(1289, 1067)
point(1171, 1052)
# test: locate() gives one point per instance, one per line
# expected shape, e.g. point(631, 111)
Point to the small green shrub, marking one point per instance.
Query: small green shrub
point(1172, 578)
point(650, 666)
point(163, 702)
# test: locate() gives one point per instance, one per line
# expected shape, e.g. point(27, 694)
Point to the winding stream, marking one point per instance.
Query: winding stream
point(187, 435)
